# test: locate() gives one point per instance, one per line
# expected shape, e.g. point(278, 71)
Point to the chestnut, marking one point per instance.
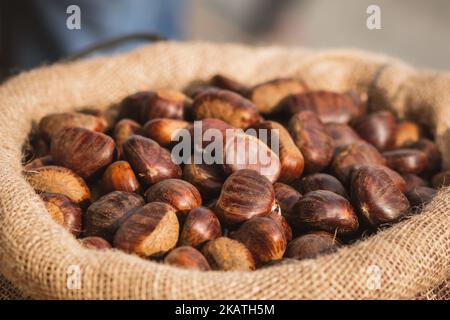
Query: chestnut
point(434, 157)
point(163, 130)
point(441, 179)
point(284, 226)
point(376, 198)
point(323, 210)
point(341, 134)
point(291, 159)
point(263, 237)
point(243, 151)
point(267, 95)
point(124, 129)
point(201, 225)
point(419, 196)
point(132, 106)
point(150, 231)
point(245, 194)
point(348, 157)
point(378, 129)
point(84, 151)
point(149, 160)
point(286, 197)
point(406, 132)
point(39, 162)
point(413, 181)
point(321, 181)
point(180, 194)
point(312, 245)
point(105, 215)
point(54, 179)
point(206, 124)
point(119, 176)
point(311, 138)
point(329, 106)
point(208, 179)
point(187, 257)
point(95, 243)
point(227, 106)
point(406, 160)
point(63, 211)
point(396, 178)
point(227, 254)
point(163, 104)
point(51, 125)
point(226, 83)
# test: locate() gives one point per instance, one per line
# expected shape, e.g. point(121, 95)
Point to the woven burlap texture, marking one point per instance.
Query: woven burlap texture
point(412, 257)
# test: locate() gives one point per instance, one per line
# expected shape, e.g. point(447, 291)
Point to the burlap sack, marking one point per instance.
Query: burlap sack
point(412, 259)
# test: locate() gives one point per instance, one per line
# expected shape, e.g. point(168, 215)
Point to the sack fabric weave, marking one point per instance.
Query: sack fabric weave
point(412, 257)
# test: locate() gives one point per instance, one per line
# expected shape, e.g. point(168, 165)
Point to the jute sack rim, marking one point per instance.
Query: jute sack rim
point(35, 253)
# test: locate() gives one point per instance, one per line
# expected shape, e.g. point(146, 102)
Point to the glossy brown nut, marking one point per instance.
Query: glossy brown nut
point(150, 231)
point(83, 151)
point(226, 83)
point(378, 129)
point(180, 194)
point(187, 257)
point(216, 126)
point(39, 162)
point(406, 160)
point(321, 181)
point(52, 124)
point(420, 195)
point(376, 198)
point(54, 179)
point(264, 239)
point(312, 245)
point(432, 152)
point(348, 157)
point(226, 106)
point(323, 210)
point(104, 216)
point(284, 226)
point(95, 243)
point(413, 181)
point(228, 254)
point(329, 106)
point(124, 129)
point(149, 160)
point(245, 194)
point(164, 130)
point(63, 211)
point(291, 159)
point(341, 134)
point(312, 139)
point(163, 104)
point(267, 95)
point(243, 151)
point(208, 179)
point(406, 132)
point(396, 178)
point(133, 105)
point(120, 177)
point(286, 197)
point(201, 225)
point(441, 179)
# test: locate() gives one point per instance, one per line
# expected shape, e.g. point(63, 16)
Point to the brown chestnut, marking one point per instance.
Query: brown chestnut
point(419, 196)
point(84, 151)
point(245, 194)
point(120, 177)
point(124, 129)
point(133, 105)
point(201, 225)
point(323, 210)
point(163, 104)
point(95, 243)
point(180, 194)
point(406, 160)
point(227, 106)
point(267, 95)
point(284, 226)
point(312, 139)
point(441, 179)
point(413, 181)
point(378, 129)
point(291, 159)
point(376, 198)
point(312, 245)
point(396, 178)
point(321, 181)
point(263, 237)
point(187, 257)
point(228, 254)
point(39, 162)
point(341, 134)
point(286, 197)
point(151, 231)
point(432, 152)
point(226, 83)
point(54, 179)
point(164, 130)
point(149, 160)
point(105, 215)
point(63, 211)
point(208, 179)
point(406, 132)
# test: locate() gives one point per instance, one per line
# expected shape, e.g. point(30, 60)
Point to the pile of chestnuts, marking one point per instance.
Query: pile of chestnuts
point(341, 174)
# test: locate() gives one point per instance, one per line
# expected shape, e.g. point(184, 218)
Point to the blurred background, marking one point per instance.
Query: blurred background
point(34, 32)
